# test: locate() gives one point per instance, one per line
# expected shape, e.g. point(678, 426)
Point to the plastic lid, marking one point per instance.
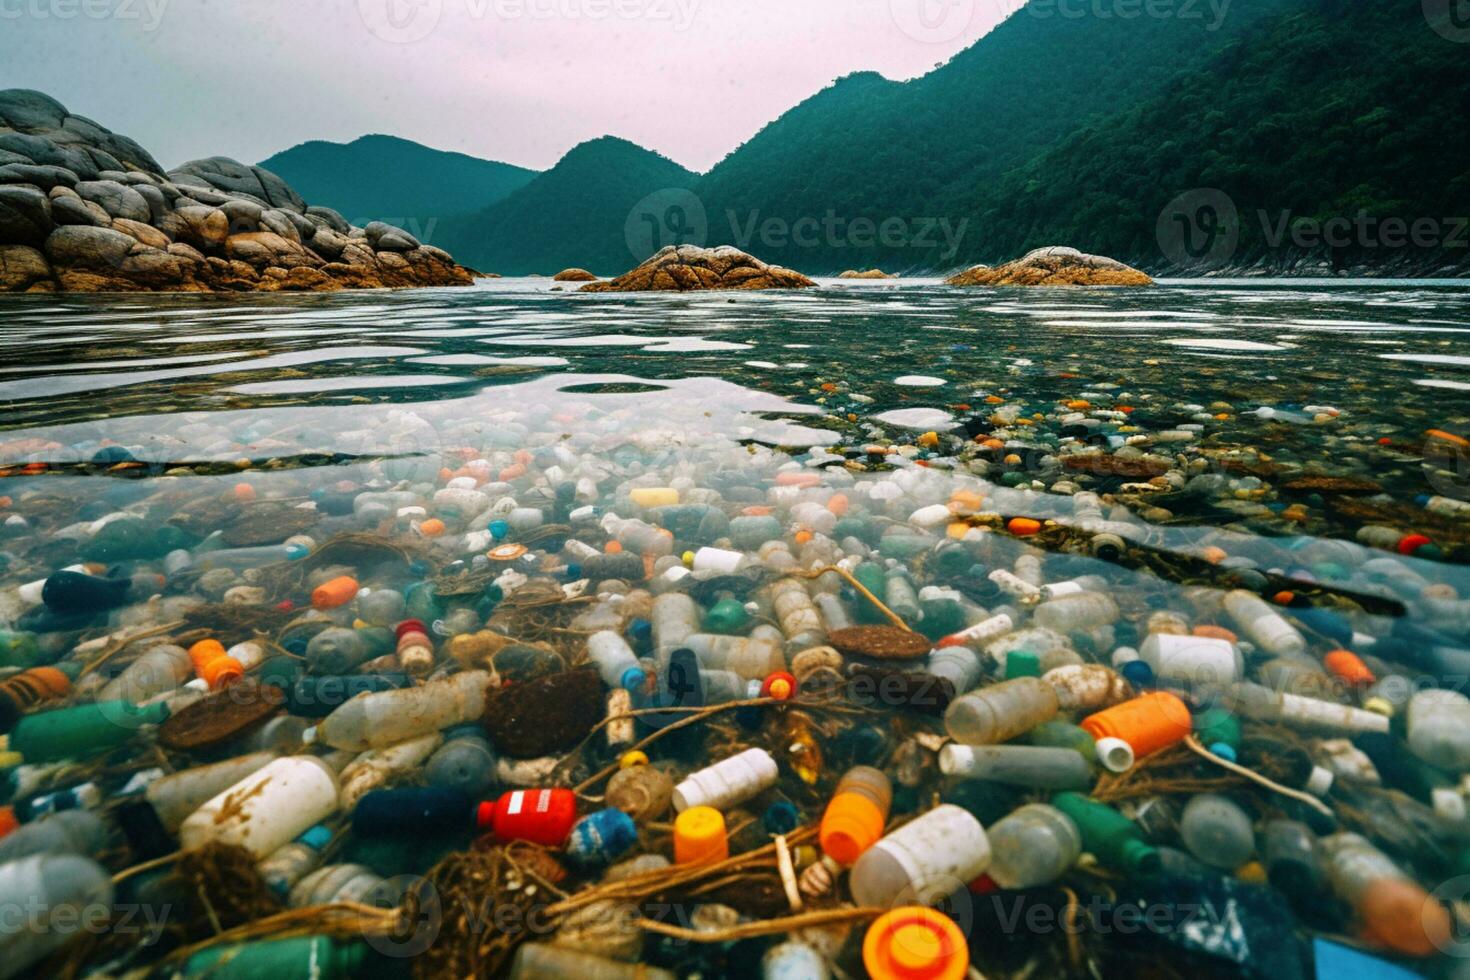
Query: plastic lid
point(699, 836)
point(778, 685)
point(633, 679)
point(852, 824)
point(1319, 782)
point(1115, 754)
point(915, 943)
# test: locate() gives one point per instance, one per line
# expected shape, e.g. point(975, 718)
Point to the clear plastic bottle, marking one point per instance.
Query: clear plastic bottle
point(337, 883)
point(615, 660)
point(1217, 832)
point(72, 894)
point(1266, 628)
point(387, 717)
point(959, 665)
point(1001, 712)
point(900, 595)
point(675, 618)
point(797, 614)
point(929, 857)
point(68, 832)
point(1034, 845)
point(749, 656)
point(1391, 908)
point(1439, 728)
point(1034, 766)
point(1082, 611)
point(1263, 704)
point(161, 668)
point(289, 863)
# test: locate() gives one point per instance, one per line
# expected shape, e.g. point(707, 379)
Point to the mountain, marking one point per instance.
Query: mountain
point(384, 178)
point(578, 213)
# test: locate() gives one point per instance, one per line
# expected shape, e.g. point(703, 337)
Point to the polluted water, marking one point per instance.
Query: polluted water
point(472, 634)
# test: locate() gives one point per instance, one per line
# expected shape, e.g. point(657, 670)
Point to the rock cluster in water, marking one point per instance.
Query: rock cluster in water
point(688, 267)
point(574, 275)
point(867, 274)
point(1054, 265)
point(83, 209)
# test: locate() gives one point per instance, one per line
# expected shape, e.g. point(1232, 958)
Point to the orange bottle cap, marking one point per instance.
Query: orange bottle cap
point(339, 591)
point(205, 652)
point(1349, 667)
point(221, 672)
point(54, 681)
point(852, 824)
point(915, 943)
point(699, 836)
point(8, 822)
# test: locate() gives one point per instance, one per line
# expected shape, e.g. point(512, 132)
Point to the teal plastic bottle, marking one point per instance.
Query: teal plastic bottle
point(82, 731)
point(321, 957)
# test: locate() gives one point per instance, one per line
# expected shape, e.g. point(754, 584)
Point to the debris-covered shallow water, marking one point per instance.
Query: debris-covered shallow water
point(395, 633)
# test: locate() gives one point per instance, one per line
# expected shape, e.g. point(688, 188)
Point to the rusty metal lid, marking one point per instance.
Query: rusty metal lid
point(220, 716)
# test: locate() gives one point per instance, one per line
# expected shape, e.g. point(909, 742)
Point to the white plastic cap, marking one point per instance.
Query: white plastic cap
point(1115, 754)
point(308, 737)
point(1320, 781)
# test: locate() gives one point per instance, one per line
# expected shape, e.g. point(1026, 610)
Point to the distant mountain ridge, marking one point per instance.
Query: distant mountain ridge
point(386, 178)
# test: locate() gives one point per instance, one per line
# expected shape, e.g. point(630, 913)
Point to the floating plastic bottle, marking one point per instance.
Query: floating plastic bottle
point(1082, 611)
point(1109, 836)
point(82, 731)
point(1391, 908)
point(318, 696)
point(616, 663)
point(42, 889)
point(1191, 660)
point(1289, 853)
point(1267, 628)
point(68, 832)
point(1019, 765)
point(675, 618)
point(338, 883)
point(856, 814)
point(266, 809)
point(542, 816)
point(797, 614)
point(749, 656)
point(983, 632)
point(318, 957)
point(410, 811)
point(1263, 704)
point(175, 796)
point(375, 720)
point(959, 665)
point(289, 863)
point(1439, 728)
point(379, 767)
point(1138, 728)
point(1001, 712)
point(161, 668)
point(1217, 832)
point(1033, 846)
point(921, 862)
point(729, 782)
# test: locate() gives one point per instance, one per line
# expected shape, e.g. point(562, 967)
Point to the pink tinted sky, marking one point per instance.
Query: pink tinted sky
point(514, 80)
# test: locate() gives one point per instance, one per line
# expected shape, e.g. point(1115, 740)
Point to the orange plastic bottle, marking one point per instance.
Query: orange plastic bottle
point(337, 592)
point(915, 943)
point(856, 815)
point(700, 837)
point(215, 667)
point(1147, 723)
point(1349, 668)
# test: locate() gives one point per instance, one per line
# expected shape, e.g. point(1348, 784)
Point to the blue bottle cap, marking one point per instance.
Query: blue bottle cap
point(633, 679)
point(574, 572)
point(1224, 750)
point(498, 529)
point(781, 817)
point(1138, 673)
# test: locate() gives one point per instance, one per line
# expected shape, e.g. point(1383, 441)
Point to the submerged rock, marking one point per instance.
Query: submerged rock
point(1054, 265)
point(86, 210)
point(867, 274)
point(574, 275)
point(688, 267)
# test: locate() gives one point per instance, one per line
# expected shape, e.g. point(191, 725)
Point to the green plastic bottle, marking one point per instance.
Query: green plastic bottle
point(1109, 836)
point(1063, 735)
point(83, 730)
point(19, 650)
point(872, 578)
point(1216, 726)
point(321, 957)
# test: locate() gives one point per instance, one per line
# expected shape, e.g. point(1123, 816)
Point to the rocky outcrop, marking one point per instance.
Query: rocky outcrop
point(83, 209)
point(867, 274)
point(688, 267)
point(574, 275)
point(1055, 265)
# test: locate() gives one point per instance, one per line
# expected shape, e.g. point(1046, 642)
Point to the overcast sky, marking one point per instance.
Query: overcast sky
point(514, 80)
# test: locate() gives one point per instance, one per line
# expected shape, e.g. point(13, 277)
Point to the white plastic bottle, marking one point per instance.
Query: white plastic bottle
point(728, 782)
point(1266, 627)
point(800, 622)
point(983, 632)
point(377, 767)
point(266, 809)
point(675, 617)
point(1014, 586)
point(179, 794)
point(616, 662)
point(387, 717)
point(1439, 728)
point(1081, 611)
point(1192, 660)
point(49, 900)
point(1263, 704)
point(929, 857)
point(1034, 766)
point(1033, 846)
point(162, 668)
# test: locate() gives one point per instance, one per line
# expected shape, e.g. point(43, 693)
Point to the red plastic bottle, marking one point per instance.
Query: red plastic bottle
point(542, 816)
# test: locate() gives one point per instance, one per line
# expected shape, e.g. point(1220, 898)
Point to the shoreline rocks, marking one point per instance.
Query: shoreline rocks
point(574, 275)
point(683, 268)
point(1053, 265)
point(867, 274)
point(83, 209)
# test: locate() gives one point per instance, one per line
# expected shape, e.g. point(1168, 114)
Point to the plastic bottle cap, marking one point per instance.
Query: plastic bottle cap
point(851, 825)
point(1115, 754)
point(1379, 706)
point(699, 836)
point(308, 736)
point(778, 685)
point(630, 759)
point(915, 943)
point(633, 679)
point(1319, 782)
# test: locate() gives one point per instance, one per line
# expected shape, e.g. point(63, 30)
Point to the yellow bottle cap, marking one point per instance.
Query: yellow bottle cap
point(630, 759)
